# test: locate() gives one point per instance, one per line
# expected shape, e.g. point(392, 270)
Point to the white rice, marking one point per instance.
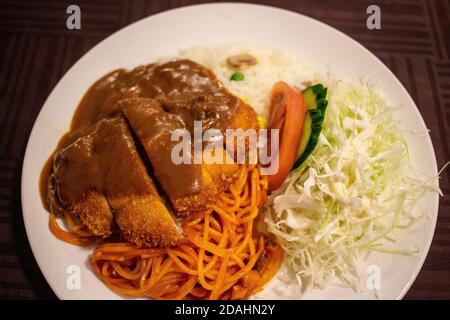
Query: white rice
point(255, 89)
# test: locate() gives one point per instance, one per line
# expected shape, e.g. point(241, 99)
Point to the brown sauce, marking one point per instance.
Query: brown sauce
point(185, 92)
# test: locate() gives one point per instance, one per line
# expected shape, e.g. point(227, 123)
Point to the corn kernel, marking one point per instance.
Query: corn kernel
point(262, 121)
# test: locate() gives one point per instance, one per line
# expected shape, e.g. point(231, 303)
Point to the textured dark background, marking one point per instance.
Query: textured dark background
point(36, 50)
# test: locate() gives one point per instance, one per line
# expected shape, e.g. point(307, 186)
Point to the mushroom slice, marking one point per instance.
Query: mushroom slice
point(241, 61)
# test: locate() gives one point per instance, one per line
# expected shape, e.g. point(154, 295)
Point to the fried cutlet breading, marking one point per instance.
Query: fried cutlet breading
point(145, 221)
point(94, 211)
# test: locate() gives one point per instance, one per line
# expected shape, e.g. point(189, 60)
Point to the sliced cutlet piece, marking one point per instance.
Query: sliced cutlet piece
point(190, 187)
point(180, 181)
point(75, 187)
point(139, 211)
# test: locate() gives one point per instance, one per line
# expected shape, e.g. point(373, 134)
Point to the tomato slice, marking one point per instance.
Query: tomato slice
point(287, 113)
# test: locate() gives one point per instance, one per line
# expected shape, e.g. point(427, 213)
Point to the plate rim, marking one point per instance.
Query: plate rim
point(59, 293)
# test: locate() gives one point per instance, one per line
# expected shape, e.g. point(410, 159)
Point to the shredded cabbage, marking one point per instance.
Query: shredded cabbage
point(351, 193)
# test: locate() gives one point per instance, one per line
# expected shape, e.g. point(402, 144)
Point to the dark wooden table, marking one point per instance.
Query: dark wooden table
point(36, 49)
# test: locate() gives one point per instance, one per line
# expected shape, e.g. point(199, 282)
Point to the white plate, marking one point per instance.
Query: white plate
point(313, 42)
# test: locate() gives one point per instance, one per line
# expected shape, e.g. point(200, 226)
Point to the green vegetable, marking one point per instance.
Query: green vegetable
point(237, 76)
point(316, 101)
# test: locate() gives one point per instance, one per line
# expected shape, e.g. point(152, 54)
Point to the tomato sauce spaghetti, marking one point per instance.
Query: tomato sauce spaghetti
point(223, 256)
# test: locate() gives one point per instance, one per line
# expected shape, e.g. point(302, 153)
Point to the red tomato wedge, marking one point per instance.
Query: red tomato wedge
point(287, 113)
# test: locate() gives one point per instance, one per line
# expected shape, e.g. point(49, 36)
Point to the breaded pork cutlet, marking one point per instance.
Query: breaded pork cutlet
point(190, 187)
point(73, 187)
point(103, 170)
